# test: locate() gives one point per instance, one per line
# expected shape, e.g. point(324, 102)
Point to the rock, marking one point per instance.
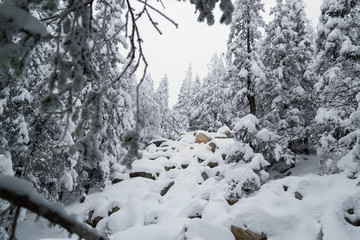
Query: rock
point(355, 223)
point(169, 168)
point(90, 214)
point(184, 165)
point(232, 201)
point(223, 156)
point(96, 221)
point(166, 189)
point(298, 196)
point(225, 130)
point(202, 138)
point(241, 234)
point(142, 174)
point(285, 188)
point(350, 211)
point(204, 176)
point(158, 142)
point(116, 180)
point(82, 199)
point(196, 215)
point(164, 150)
point(213, 164)
point(229, 134)
point(200, 160)
point(113, 210)
point(213, 146)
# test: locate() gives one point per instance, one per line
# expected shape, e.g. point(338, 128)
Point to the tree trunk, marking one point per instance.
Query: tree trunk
point(251, 99)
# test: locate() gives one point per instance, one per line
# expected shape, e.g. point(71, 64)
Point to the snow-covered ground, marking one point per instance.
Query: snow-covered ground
point(183, 191)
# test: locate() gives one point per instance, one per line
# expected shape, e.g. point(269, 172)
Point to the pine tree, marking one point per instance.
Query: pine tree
point(245, 66)
point(182, 107)
point(150, 123)
point(337, 65)
point(287, 56)
point(168, 123)
point(210, 107)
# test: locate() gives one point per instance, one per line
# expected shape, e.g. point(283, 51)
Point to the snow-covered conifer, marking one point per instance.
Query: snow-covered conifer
point(287, 105)
point(182, 107)
point(337, 66)
point(245, 65)
point(210, 106)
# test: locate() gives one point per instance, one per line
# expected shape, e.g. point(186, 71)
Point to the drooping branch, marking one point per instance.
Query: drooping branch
point(21, 193)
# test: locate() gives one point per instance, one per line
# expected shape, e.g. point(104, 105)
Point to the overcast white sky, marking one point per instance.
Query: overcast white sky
point(171, 52)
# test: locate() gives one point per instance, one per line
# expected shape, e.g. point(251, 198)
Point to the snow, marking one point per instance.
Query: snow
point(67, 180)
point(6, 165)
point(2, 105)
point(145, 214)
point(24, 95)
point(248, 122)
point(324, 115)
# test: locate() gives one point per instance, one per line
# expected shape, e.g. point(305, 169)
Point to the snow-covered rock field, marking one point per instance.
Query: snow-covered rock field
point(180, 190)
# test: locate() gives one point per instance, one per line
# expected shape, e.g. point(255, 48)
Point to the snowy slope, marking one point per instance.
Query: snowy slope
point(305, 206)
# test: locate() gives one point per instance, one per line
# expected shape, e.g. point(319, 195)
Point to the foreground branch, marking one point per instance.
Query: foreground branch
point(22, 194)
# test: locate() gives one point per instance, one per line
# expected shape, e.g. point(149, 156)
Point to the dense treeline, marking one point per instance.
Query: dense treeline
point(72, 113)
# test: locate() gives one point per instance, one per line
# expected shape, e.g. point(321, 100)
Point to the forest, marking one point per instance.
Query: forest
point(266, 146)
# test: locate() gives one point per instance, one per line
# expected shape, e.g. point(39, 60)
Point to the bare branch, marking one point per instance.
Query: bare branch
point(161, 13)
point(21, 193)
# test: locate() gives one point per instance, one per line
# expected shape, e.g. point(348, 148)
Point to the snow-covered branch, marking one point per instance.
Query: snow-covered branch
point(21, 193)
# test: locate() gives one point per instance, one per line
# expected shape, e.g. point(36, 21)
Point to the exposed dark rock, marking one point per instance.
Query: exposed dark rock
point(142, 174)
point(213, 164)
point(204, 176)
point(241, 234)
point(158, 142)
point(285, 188)
point(298, 196)
point(196, 215)
point(232, 201)
point(200, 160)
point(116, 180)
point(184, 165)
point(213, 146)
point(166, 189)
point(82, 199)
point(169, 168)
point(350, 211)
point(223, 156)
point(96, 221)
point(113, 210)
point(354, 223)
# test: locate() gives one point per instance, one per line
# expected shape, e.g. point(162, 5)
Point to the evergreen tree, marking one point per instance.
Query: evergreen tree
point(182, 107)
point(150, 110)
point(210, 108)
point(337, 65)
point(245, 66)
point(196, 85)
point(168, 123)
point(163, 92)
point(287, 56)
